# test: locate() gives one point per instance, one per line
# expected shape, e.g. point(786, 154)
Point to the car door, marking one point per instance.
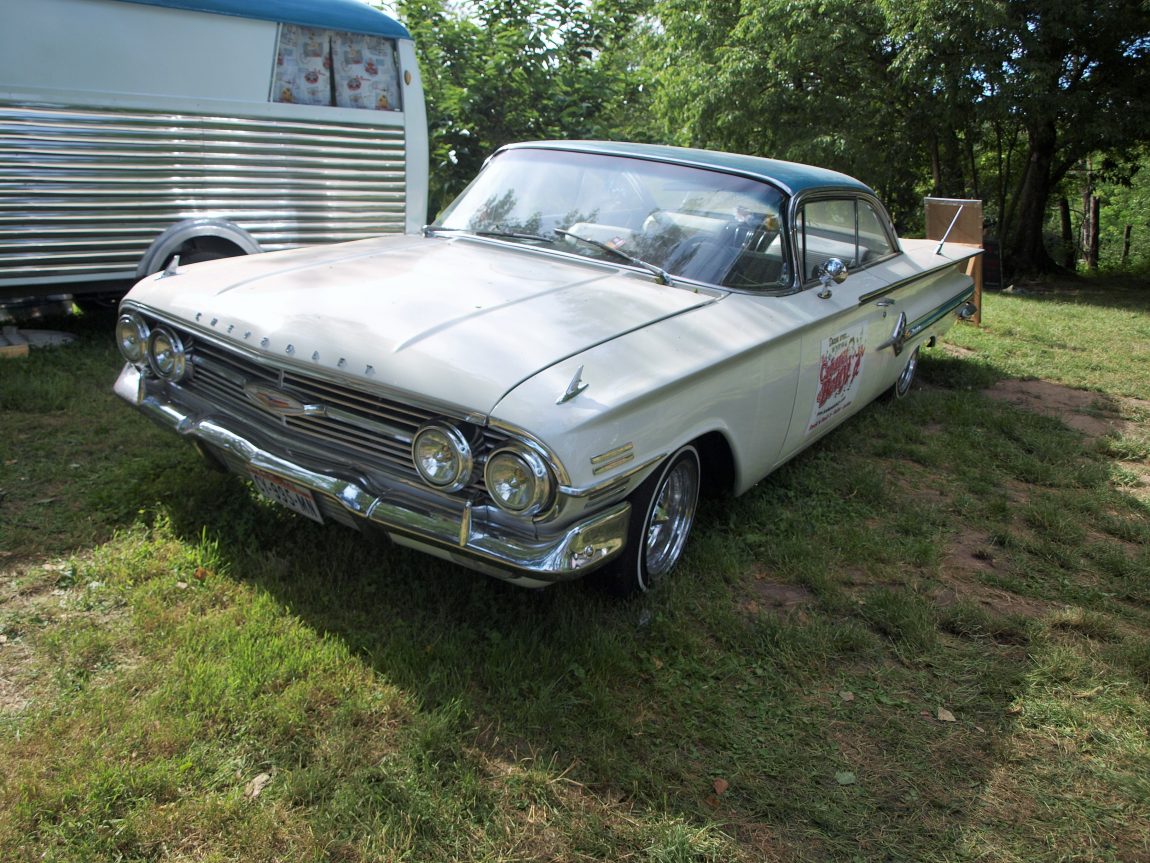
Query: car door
point(846, 358)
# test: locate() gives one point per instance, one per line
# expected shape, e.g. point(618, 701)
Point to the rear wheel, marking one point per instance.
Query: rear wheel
point(662, 513)
point(905, 378)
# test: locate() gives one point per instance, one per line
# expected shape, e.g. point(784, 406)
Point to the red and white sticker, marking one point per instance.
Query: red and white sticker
point(840, 375)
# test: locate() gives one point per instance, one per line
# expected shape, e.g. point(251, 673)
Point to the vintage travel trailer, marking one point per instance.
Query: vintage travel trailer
point(132, 131)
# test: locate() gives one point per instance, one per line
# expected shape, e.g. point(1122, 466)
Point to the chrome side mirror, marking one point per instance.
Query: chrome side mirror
point(833, 271)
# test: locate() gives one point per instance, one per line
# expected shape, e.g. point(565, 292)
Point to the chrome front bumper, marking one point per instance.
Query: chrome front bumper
point(575, 550)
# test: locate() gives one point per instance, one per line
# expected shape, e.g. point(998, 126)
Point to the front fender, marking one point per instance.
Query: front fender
point(728, 368)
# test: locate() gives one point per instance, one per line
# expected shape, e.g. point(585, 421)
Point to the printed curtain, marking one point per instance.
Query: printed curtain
point(325, 67)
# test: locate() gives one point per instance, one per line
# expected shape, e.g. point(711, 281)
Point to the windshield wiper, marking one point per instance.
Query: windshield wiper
point(513, 235)
point(661, 275)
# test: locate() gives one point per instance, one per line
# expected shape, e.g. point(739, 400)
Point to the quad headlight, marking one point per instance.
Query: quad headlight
point(166, 354)
point(442, 456)
point(518, 480)
point(132, 338)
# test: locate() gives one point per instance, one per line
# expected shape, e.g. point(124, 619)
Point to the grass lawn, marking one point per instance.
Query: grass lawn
point(925, 639)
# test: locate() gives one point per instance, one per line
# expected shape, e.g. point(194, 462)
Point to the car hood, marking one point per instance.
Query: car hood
point(458, 321)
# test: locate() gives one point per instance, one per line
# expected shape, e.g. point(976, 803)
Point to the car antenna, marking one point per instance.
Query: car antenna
point(953, 222)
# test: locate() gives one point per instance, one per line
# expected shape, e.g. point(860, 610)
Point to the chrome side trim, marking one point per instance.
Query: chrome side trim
point(609, 460)
point(904, 332)
point(84, 191)
point(598, 489)
point(932, 317)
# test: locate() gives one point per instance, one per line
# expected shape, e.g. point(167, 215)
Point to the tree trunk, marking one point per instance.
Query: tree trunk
point(1025, 253)
point(1091, 245)
point(935, 168)
point(1126, 244)
point(1068, 256)
point(974, 184)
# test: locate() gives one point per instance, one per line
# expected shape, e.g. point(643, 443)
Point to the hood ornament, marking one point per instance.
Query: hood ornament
point(574, 388)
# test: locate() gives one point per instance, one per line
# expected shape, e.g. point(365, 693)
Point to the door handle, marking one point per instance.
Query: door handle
point(885, 302)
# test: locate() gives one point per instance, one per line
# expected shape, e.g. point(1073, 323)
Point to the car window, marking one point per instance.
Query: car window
point(849, 229)
point(874, 242)
point(827, 230)
point(696, 224)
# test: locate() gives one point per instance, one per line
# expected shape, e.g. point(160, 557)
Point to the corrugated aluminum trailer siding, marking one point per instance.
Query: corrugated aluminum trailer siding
point(83, 193)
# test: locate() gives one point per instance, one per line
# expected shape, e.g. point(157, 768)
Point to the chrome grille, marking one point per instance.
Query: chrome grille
point(365, 429)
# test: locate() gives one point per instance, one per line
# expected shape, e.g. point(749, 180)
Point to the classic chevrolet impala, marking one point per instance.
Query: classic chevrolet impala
point(540, 384)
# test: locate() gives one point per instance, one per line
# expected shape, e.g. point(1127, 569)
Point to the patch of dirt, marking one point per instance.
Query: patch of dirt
point(765, 596)
point(1141, 472)
point(1093, 414)
point(957, 350)
point(969, 556)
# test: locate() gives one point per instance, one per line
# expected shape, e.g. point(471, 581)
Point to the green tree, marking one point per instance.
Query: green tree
point(898, 91)
point(497, 71)
point(1076, 75)
point(1125, 223)
point(808, 80)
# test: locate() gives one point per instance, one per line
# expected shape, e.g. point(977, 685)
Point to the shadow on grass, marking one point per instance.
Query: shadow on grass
point(1129, 293)
point(821, 721)
point(652, 701)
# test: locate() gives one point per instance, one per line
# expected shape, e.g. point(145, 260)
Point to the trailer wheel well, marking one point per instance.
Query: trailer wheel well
point(195, 240)
point(204, 249)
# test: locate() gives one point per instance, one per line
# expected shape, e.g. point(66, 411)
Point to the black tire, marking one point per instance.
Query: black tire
point(901, 387)
point(662, 512)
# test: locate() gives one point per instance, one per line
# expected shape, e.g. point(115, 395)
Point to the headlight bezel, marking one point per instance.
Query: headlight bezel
point(533, 465)
point(459, 447)
point(177, 369)
point(139, 328)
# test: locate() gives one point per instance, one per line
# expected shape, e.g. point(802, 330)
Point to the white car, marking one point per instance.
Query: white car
point(540, 384)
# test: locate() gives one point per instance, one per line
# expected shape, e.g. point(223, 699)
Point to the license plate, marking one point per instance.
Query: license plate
point(295, 497)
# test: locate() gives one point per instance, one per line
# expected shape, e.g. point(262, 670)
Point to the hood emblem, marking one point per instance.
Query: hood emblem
point(281, 403)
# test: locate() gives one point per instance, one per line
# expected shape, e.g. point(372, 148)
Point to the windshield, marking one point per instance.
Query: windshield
point(691, 223)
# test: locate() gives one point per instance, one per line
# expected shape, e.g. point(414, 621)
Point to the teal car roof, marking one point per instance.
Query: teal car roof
point(792, 177)
point(352, 16)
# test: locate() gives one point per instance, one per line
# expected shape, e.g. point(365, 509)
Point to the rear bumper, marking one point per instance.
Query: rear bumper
point(450, 533)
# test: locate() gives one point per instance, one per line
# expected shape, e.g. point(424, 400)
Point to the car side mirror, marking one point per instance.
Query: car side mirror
point(833, 271)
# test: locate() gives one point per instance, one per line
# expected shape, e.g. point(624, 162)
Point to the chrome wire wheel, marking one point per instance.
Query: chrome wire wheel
point(669, 517)
point(672, 514)
point(662, 512)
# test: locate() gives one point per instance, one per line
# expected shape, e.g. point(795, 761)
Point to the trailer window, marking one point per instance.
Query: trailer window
point(327, 67)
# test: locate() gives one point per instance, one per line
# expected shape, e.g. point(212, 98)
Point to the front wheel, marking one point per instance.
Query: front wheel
point(662, 513)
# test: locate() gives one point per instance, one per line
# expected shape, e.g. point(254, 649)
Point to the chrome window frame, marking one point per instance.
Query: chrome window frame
point(804, 281)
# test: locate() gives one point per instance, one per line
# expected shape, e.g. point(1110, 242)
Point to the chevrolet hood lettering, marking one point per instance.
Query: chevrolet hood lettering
point(458, 321)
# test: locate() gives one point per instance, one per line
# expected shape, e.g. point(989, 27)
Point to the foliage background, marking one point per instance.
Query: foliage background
point(1011, 101)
